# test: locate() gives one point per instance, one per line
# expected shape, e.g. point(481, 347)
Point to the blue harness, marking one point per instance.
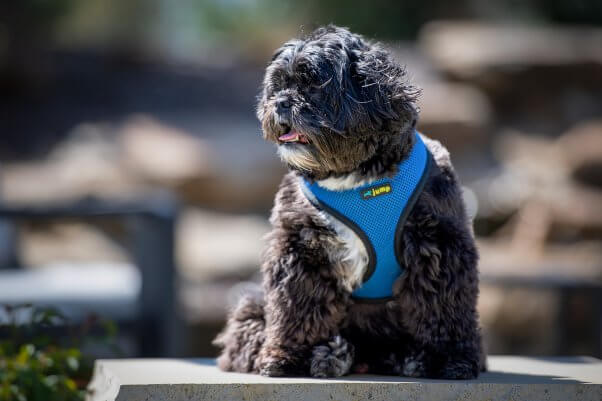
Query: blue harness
point(377, 213)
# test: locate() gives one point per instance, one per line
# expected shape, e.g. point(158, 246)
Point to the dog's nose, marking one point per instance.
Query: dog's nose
point(283, 104)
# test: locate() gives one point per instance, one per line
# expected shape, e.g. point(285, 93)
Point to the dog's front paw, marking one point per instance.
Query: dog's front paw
point(332, 359)
point(276, 363)
point(460, 370)
point(440, 366)
point(274, 368)
point(414, 365)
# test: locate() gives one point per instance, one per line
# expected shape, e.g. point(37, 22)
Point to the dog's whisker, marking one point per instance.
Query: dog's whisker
point(325, 83)
point(357, 101)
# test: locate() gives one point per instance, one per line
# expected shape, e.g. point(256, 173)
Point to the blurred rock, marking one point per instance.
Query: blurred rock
point(516, 321)
point(207, 303)
point(540, 185)
point(41, 244)
point(583, 150)
point(537, 78)
point(582, 261)
point(229, 171)
point(457, 114)
point(245, 170)
point(232, 171)
point(209, 246)
point(541, 302)
point(541, 269)
point(215, 246)
point(218, 258)
point(472, 49)
point(540, 318)
point(87, 164)
point(162, 154)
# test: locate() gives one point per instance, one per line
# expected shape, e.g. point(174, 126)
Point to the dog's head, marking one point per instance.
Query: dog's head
point(335, 103)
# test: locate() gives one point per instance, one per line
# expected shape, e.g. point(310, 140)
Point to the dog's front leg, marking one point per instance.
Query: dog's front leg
point(438, 296)
point(304, 308)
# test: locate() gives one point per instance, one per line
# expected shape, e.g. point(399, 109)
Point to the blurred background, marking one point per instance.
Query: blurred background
point(134, 183)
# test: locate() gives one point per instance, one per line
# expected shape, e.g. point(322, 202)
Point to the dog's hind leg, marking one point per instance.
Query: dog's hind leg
point(332, 358)
point(243, 335)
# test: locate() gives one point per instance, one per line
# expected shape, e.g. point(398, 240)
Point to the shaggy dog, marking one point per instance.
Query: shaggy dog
point(342, 114)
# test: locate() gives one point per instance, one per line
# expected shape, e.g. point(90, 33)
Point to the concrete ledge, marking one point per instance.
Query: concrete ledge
point(509, 378)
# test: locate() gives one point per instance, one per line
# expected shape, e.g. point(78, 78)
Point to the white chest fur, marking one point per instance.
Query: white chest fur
point(347, 253)
point(346, 250)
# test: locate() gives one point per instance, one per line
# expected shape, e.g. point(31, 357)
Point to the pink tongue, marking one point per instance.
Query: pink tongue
point(288, 137)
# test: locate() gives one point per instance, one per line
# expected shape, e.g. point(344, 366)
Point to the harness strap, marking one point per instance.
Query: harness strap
point(377, 213)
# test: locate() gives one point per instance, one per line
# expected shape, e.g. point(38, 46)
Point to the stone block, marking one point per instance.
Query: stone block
point(510, 377)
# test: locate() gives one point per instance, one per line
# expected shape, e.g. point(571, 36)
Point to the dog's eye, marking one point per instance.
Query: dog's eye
point(284, 82)
point(302, 69)
point(305, 75)
point(271, 88)
point(305, 81)
point(279, 82)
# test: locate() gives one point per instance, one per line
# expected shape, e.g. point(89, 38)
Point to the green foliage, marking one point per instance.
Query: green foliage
point(38, 364)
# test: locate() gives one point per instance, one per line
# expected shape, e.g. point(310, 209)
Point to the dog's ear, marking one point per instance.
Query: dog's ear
point(377, 88)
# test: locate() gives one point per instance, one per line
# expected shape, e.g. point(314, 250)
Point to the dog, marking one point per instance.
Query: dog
point(343, 117)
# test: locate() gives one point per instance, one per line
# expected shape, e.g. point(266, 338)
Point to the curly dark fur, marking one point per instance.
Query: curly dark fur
point(352, 102)
point(347, 96)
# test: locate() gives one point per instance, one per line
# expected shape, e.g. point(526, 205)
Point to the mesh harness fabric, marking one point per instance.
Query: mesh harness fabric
point(377, 213)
